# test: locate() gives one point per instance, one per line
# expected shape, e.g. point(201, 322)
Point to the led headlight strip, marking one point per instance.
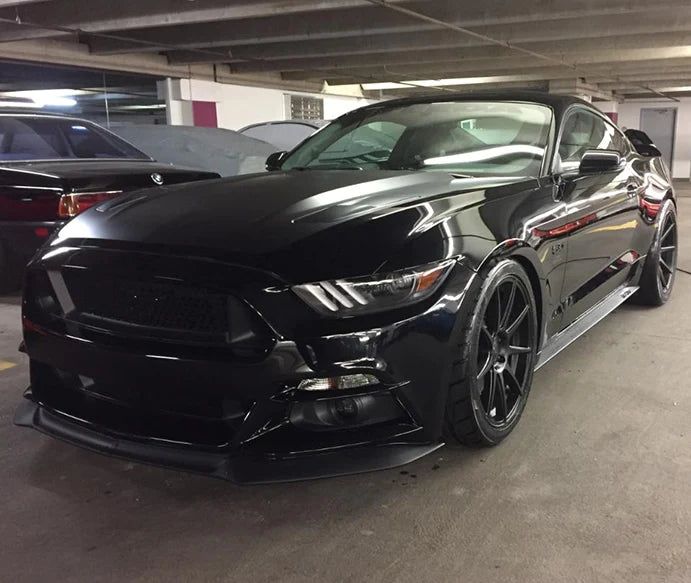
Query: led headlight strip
point(359, 295)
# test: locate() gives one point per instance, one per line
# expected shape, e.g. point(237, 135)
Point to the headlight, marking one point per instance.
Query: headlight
point(361, 295)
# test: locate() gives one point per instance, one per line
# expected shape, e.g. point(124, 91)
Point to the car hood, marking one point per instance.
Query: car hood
point(278, 219)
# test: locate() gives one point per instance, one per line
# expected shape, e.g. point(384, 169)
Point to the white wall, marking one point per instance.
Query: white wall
point(239, 105)
point(337, 105)
point(630, 117)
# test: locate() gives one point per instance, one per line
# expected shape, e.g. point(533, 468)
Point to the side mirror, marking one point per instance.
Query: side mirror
point(648, 150)
point(596, 161)
point(274, 161)
point(642, 143)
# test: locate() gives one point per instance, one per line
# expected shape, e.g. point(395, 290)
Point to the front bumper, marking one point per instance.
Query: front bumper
point(232, 414)
point(238, 469)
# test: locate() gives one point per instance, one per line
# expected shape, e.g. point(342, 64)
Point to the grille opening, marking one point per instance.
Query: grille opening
point(199, 416)
point(149, 304)
point(165, 311)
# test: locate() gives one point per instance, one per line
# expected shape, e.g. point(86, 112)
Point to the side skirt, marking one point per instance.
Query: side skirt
point(576, 329)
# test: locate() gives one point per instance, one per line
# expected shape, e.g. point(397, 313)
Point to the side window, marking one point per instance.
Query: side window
point(619, 142)
point(86, 143)
point(586, 131)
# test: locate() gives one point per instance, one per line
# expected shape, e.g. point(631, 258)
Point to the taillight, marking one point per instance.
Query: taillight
point(650, 209)
point(72, 204)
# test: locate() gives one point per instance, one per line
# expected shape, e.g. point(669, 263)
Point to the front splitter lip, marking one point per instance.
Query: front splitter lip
point(241, 469)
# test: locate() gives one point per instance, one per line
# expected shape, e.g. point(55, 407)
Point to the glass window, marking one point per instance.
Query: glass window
point(619, 141)
point(369, 143)
point(45, 138)
point(586, 131)
point(472, 138)
point(303, 107)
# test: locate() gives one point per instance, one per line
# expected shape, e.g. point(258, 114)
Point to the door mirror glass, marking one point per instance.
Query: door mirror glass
point(595, 161)
point(273, 162)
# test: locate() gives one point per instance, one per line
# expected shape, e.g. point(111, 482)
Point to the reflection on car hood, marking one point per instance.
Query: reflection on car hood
point(264, 214)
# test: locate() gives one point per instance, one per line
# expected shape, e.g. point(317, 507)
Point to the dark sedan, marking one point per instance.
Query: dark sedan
point(53, 167)
point(390, 286)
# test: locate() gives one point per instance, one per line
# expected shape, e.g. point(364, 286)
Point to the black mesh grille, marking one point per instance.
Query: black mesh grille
point(150, 304)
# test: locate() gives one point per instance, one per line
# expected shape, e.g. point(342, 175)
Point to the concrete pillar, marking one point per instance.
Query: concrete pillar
point(609, 108)
point(578, 88)
point(182, 105)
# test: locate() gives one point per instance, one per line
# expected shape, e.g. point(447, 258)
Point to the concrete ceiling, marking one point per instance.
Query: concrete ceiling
point(609, 49)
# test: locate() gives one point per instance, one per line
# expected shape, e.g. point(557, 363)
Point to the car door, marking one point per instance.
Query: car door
point(602, 209)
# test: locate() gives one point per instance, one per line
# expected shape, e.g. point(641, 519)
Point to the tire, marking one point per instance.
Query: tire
point(659, 270)
point(490, 377)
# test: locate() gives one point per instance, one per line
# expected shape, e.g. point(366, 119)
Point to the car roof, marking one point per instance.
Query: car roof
point(313, 123)
point(16, 112)
point(557, 102)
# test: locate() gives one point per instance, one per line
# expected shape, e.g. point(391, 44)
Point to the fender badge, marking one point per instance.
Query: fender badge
point(157, 178)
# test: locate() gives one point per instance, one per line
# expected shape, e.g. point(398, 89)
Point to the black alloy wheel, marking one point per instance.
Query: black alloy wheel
point(659, 270)
point(667, 263)
point(495, 356)
point(504, 354)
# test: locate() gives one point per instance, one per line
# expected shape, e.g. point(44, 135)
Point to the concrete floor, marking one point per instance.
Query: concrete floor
point(594, 485)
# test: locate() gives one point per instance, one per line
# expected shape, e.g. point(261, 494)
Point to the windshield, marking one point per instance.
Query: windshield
point(469, 138)
point(45, 138)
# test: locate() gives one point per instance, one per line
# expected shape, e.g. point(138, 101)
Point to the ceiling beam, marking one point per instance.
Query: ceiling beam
point(580, 51)
point(626, 87)
point(641, 95)
point(572, 39)
point(515, 67)
point(355, 23)
point(106, 15)
point(580, 87)
point(495, 58)
point(410, 90)
point(516, 49)
point(564, 85)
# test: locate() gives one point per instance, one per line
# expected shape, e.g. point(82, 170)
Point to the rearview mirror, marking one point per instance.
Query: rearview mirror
point(273, 162)
point(595, 161)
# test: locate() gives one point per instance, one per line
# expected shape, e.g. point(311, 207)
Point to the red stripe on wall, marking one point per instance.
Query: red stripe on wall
point(204, 114)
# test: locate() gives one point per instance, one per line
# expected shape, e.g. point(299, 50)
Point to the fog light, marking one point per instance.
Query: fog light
point(336, 413)
point(351, 381)
point(347, 408)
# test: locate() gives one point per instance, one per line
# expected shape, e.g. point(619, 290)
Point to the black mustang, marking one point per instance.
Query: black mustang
point(389, 286)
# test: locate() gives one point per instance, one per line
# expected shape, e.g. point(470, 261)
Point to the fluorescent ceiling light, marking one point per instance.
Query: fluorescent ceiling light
point(138, 107)
point(437, 82)
point(49, 97)
point(674, 88)
point(19, 104)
